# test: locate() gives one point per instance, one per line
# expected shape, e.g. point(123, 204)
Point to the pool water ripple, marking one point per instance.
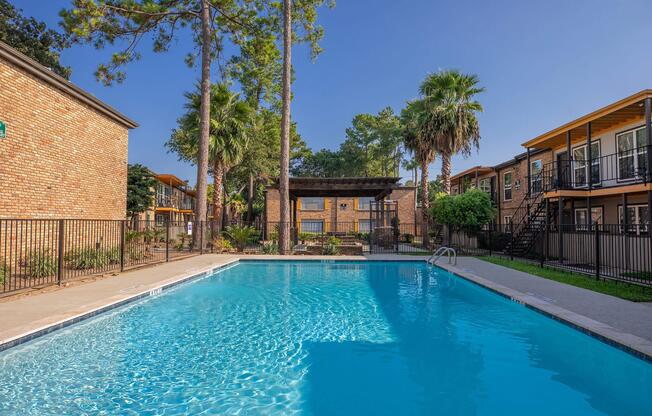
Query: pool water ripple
point(314, 338)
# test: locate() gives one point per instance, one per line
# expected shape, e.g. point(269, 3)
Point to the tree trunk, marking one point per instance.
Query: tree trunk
point(425, 204)
point(250, 199)
point(446, 172)
point(284, 180)
point(218, 175)
point(204, 123)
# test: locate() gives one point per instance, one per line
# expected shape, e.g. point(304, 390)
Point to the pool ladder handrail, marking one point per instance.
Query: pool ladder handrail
point(441, 251)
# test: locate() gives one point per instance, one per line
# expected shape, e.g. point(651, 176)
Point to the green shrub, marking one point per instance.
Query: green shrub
point(241, 235)
point(470, 209)
point(270, 248)
point(221, 244)
point(332, 240)
point(330, 250)
point(4, 270)
point(92, 258)
point(303, 237)
point(40, 263)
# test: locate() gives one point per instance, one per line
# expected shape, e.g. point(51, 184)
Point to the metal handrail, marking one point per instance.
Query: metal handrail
point(443, 251)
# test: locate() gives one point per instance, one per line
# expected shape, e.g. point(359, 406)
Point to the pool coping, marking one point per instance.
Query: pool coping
point(629, 343)
point(152, 291)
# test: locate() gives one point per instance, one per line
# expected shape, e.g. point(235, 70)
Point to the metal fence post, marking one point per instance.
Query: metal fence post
point(511, 241)
point(489, 237)
point(597, 250)
point(167, 240)
point(201, 238)
point(60, 253)
point(122, 245)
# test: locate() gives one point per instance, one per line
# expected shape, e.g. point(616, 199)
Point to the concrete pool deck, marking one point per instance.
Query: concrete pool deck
point(621, 322)
point(617, 321)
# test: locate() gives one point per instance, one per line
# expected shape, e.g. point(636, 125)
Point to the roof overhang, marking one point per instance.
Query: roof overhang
point(377, 187)
point(39, 71)
point(480, 170)
point(170, 179)
point(615, 115)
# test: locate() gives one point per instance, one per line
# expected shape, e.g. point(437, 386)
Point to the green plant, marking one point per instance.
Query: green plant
point(270, 248)
point(408, 238)
point(334, 241)
point(470, 209)
point(4, 270)
point(92, 258)
point(330, 250)
point(132, 236)
point(40, 263)
point(303, 237)
point(221, 244)
point(240, 235)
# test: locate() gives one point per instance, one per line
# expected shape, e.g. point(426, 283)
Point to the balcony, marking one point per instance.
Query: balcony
point(613, 170)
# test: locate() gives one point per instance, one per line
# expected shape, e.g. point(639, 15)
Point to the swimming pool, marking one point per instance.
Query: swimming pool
point(323, 338)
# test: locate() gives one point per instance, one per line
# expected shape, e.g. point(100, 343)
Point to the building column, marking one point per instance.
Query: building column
point(648, 136)
point(529, 168)
point(569, 156)
point(588, 155)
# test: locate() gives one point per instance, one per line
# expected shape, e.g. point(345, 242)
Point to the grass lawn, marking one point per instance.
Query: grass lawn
point(622, 290)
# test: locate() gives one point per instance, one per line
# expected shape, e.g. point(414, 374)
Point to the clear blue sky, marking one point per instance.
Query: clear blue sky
point(542, 63)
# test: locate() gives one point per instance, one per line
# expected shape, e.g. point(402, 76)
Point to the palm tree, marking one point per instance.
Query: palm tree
point(450, 116)
point(228, 138)
point(421, 144)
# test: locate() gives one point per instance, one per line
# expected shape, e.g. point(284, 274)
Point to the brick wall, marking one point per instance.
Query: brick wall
point(61, 158)
point(344, 209)
point(519, 172)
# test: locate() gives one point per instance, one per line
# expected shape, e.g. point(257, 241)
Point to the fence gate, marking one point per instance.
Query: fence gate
point(383, 227)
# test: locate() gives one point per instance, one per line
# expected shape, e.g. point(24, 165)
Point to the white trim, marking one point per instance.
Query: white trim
point(511, 185)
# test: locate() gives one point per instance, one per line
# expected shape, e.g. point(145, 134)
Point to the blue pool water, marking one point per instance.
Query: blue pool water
point(338, 338)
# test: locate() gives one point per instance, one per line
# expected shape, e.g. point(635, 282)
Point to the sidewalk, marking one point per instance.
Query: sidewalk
point(620, 320)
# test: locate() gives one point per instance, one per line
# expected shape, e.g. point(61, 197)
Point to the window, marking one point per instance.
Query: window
point(637, 218)
point(632, 154)
point(161, 219)
point(535, 176)
point(364, 226)
point(454, 190)
point(163, 195)
point(581, 221)
point(508, 219)
point(581, 167)
point(485, 185)
point(312, 204)
point(364, 202)
point(507, 186)
point(312, 226)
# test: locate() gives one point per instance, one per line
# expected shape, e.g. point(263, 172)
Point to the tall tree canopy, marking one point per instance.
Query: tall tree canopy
point(449, 116)
point(33, 38)
point(373, 147)
point(228, 140)
point(140, 189)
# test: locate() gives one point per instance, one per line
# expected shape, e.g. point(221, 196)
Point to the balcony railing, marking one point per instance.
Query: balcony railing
point(616, 169)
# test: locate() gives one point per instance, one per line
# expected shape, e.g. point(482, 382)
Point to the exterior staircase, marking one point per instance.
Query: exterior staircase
point(528, 222)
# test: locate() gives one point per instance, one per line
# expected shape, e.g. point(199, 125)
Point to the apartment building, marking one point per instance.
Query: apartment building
point(63, 152)
point(173, 202)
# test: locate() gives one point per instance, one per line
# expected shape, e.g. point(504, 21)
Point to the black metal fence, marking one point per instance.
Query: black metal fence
point(605, 251)
point(38, 252)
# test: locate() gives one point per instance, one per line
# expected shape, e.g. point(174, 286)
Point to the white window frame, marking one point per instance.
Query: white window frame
point(508, 219)
point(364, 221)
point(510, 187)
point(634, 153)
point(533, 175)
point(585, 226)
point(588, 167)
point(484, 185)
point(634, 226)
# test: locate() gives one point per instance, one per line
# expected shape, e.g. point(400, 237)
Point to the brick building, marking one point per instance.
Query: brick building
point(343, 204)
point(174, 201)
point(65, 151)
